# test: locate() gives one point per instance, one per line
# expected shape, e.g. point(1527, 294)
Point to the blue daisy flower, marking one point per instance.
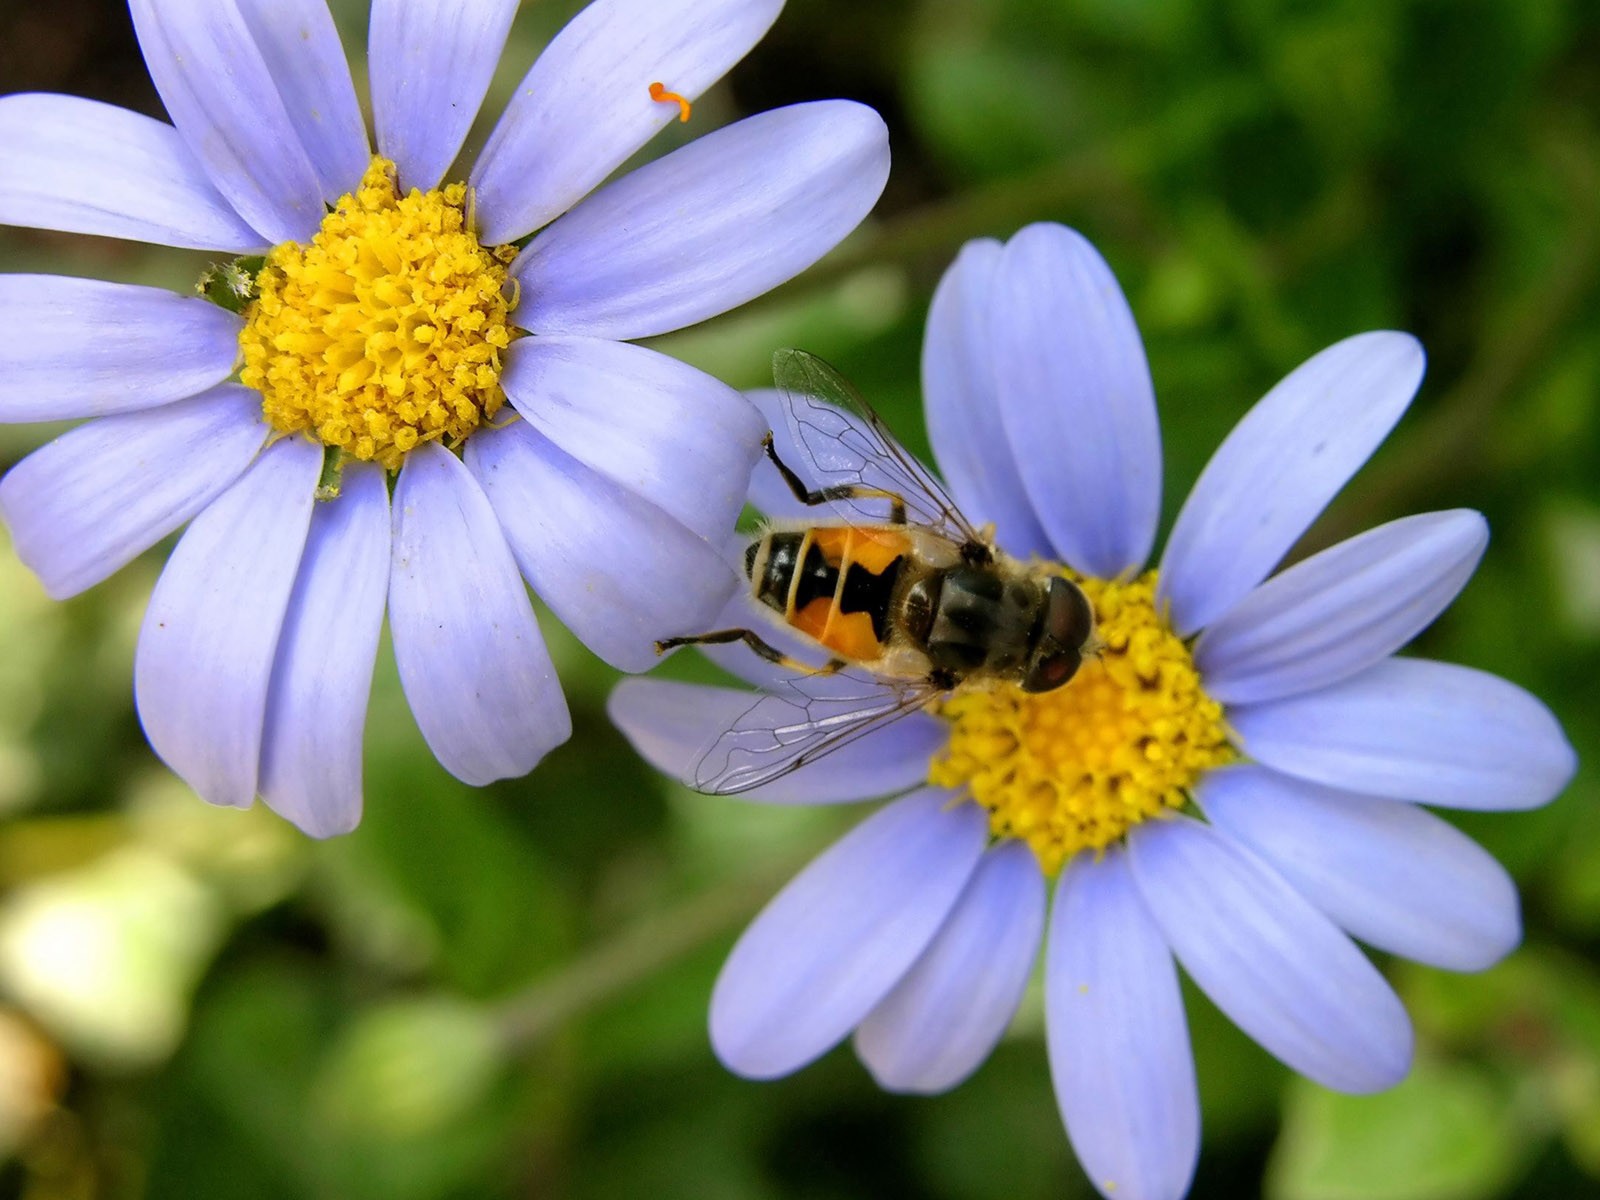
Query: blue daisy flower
point(1235, 784)
point(379, 335)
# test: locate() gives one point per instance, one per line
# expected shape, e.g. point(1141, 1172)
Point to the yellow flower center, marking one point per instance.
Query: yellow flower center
point(388, 329)
point(1076, 768)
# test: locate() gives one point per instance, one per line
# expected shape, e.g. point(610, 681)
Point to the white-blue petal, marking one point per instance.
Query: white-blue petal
point(656, 426)
point(474, 668)
point(942, 1020)
point(617, 570)
point(430, 63)
point(1074, 394)
point(204, 662)
point(80, 166)
point(1409, 729)
point(707, 227)
point(1279, 468)
point(317, 704)
point(1342, 610)
point(958, 388)
point(585, 106)
point(1119, 1045)
point(1393, 875)
point(1279, 968)
point(300, 46)
point(672, 725)
point(218, 91)
point(84, 348)
point(84, 505)
point(831, 944)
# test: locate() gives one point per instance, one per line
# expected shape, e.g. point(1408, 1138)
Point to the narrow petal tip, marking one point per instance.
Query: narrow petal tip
point(1278, 469)
point(1412, 729)
point(709, 226)
point(834, 942)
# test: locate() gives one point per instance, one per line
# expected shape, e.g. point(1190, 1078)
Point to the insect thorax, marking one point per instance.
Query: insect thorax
point(982, 621)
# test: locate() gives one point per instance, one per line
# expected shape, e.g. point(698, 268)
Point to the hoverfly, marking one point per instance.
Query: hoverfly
point(906, 597)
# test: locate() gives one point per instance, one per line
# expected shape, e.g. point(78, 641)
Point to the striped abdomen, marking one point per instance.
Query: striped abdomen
point(833, 583)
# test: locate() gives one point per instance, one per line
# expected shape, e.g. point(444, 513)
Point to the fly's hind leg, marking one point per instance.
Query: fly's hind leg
point(751, 638)
point(842, 491)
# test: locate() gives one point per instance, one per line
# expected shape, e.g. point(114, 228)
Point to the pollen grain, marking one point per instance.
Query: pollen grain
point(388, 330)
point(1076, 768)
point(659, 93)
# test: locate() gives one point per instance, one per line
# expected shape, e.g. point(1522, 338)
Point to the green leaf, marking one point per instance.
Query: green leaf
point(1443, 1134)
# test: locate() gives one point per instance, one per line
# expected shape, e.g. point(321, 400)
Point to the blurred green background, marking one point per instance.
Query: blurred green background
point(501, 992)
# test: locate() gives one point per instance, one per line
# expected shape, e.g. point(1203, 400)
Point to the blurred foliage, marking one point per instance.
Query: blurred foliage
point(502, 992)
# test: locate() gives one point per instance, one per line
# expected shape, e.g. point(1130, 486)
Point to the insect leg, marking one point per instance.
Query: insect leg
point(843, 491)
point(754, 640)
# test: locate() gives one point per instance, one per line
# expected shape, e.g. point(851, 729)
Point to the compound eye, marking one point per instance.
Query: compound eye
point(1049, 671)
point(1069, 619)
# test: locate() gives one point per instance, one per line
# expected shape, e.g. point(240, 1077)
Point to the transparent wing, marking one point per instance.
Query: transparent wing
point(849, 445)
point(793, 725)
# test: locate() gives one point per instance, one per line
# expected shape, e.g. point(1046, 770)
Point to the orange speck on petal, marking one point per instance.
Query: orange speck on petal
point(658, 92)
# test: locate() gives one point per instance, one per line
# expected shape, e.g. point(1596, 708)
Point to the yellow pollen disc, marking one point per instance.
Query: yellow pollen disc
point(1075, 768)
point(386, 331)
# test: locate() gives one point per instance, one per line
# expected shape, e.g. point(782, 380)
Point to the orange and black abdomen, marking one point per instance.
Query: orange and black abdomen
point(833, 583)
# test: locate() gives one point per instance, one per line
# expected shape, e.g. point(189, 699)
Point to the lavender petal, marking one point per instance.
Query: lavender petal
point(617, 570)
point(1279, 468)
point(1408, 729)
point(1393, 875)
point(708, 227)
point(1275, 965)
point(1119, 1044)
point(84, 348)
point(474, 668)
point(85, 505)
point(1341, 611)
point(80, 166)
point(317, 704)
point(219, 92)
point(1075, 398)
point(949, 1011)
point(585, 106)
point(204, 662)
point(833, 943)
point(431, 62)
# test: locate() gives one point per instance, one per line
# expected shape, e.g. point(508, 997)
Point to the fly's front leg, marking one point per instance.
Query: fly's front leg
point(721, 637)
point(842, 491)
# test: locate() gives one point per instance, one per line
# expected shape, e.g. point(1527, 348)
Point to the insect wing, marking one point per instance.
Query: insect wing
point(846, 443)
point(788, 728)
